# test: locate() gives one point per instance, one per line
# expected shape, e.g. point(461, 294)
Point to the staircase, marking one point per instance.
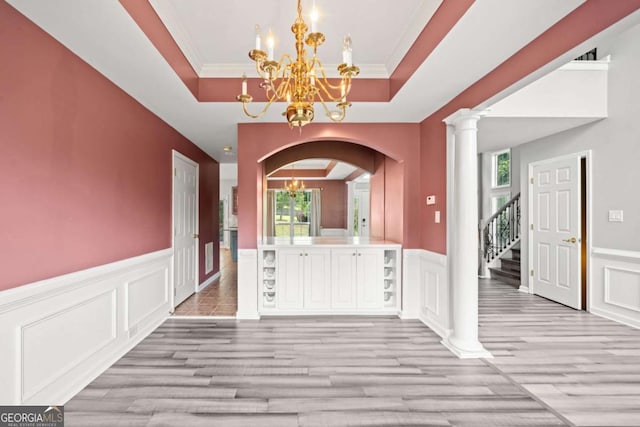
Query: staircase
point(509, 270)
point(499, 237)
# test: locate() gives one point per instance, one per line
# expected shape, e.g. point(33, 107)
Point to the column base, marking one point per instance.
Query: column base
point(475, 351)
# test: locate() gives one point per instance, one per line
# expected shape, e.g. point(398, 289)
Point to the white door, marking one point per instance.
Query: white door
point(317, 287)
point(290, 277)
point(343, 278)
point(185, 238)
point(556, 231)
point(369, 281)
point(363, 213)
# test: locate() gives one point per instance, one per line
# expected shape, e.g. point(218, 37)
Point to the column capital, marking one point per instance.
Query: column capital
point(465, 115)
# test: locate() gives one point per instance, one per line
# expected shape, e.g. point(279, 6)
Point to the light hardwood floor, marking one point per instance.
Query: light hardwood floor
point(552, 366)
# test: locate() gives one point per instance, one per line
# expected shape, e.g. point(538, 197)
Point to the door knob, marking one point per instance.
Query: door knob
point(571, 240)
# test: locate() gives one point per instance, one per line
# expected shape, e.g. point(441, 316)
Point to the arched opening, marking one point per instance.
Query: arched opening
point(350, 190)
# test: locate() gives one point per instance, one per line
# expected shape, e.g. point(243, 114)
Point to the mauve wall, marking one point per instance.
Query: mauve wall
point(433, 135)
point(257, 141)
point(334, 200)
point(85, 170)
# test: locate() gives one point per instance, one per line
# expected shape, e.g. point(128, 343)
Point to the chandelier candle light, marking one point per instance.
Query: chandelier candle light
point(293, 186)
point(303, 81)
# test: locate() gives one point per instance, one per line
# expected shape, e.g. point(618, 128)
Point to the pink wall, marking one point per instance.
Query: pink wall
point(376, 198)
point(334, 200)
point(434, 182)
point(86, 170)
point(257, 141)
point(393, 200)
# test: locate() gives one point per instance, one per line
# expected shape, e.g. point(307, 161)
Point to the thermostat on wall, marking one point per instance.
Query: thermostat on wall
point(431, 200)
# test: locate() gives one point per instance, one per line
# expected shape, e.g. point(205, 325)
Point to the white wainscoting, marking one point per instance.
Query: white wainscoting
point(247, 284)
point(615, 285)
point(426, 287)
point(59, 334)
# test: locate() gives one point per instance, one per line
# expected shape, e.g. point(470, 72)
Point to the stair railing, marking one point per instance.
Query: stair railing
point(500, 232)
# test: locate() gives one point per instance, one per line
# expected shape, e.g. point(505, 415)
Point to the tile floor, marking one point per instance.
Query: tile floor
point(218, 299)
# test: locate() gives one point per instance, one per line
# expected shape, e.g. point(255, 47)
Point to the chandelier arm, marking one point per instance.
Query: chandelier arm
point(332, 117)
point(261, 113)
point(327, 92)
point(325, 79)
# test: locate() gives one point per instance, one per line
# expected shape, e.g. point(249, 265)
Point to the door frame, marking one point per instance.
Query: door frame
point(177, 155)
point(587, 155)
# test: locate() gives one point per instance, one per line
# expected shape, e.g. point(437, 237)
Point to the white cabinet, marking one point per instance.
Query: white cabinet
point(343, 278)
point(303, 279)
point(346, 279)
point(356, 278)
point(369, 278)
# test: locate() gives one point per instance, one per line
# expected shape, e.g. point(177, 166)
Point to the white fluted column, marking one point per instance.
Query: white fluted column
point(463, 253)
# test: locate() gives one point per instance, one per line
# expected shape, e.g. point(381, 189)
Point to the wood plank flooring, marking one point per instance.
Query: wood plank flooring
point(552, 366)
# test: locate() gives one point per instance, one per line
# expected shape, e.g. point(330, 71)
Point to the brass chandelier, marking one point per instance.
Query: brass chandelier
point(303, 81)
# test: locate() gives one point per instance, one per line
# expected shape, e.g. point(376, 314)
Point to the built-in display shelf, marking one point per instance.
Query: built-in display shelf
point(329, 275)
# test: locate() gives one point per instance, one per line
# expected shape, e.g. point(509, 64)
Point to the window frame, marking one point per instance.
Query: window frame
point(494, 169)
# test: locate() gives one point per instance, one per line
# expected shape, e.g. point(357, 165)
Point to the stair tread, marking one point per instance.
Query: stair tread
point(510, 273)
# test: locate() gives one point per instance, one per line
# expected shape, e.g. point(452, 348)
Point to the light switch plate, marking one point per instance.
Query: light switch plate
point(431, 200)
point(437, 217)
point(616, 216)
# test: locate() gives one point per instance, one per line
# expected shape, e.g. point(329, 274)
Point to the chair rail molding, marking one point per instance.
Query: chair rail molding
point(63, 332)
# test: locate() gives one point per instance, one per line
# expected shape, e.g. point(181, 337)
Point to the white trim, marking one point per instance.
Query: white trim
point(166, 12)
point(207, 282)
point(599, 65)
point(177, 154)
point(587, 154)
point(367, 71)
point(504, 188)
point(616, 253)
point(91, 317)
point(481, 353)
point(31, 293)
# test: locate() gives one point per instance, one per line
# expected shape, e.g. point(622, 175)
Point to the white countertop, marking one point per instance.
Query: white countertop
point(325, 241)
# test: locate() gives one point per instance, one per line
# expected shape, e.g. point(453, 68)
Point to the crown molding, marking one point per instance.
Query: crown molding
point(166, 12)
point(367, 71)
point(413, 30)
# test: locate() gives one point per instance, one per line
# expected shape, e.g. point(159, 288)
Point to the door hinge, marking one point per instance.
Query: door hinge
point(531, 273)
point(175, 172)
point(532, 226)
point(175, 292)
point(532, 180)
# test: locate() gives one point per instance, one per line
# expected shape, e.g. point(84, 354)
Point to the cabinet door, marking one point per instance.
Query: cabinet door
point(343, 278)
point(317, 285)
point(369, 281)
point(290, 276)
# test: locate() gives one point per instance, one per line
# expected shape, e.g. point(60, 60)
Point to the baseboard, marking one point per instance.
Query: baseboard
point(209, 281)
point(62, 332)
point(525, 289)
point(442, 331)
point(616, 317)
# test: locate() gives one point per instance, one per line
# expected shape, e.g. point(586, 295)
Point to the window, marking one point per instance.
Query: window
point(294, 214)
point(498, 200)
point(501, 169)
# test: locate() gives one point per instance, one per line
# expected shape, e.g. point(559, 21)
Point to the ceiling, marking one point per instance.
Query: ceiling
point(215, 36)
point(311, 169)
